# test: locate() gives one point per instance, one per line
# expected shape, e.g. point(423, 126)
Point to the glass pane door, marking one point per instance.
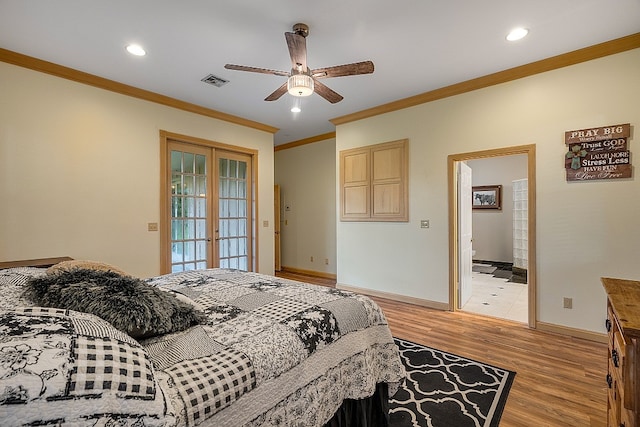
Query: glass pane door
point(234, 211)
point(208, 208)
point(190, 236)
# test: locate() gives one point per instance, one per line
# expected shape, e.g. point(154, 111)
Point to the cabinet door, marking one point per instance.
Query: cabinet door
point(388, 171)
point(374, 182)
point(355, 172)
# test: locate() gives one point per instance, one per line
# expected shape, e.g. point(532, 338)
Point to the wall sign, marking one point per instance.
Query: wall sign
point(598, 153)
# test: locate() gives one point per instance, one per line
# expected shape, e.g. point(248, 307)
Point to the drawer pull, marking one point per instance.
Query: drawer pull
point(607, 324)
point(609, 380)
point(616, 358)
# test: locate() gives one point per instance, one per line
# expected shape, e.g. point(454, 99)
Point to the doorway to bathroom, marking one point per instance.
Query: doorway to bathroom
point(492, 233)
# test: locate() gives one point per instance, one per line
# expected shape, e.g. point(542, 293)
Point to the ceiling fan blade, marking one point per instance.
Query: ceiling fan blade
point(276, 94)
point(298, 50)
point(364, 67)
point(328, 94)
point(256, 70)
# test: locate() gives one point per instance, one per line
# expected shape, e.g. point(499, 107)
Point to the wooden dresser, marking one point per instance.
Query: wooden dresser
point(623, 327)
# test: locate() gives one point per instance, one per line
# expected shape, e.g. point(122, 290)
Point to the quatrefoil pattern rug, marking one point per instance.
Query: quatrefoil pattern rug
point(445, 390)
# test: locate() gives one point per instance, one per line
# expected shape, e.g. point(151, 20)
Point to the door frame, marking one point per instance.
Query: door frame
point(165, 201)
point(530, 151)
point(276, 228)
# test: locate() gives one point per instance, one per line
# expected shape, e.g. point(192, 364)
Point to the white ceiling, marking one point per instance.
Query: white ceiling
point(416, 45)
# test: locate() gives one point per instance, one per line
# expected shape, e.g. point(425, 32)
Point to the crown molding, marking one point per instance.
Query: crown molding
point(571, 58)
point(42, 66)
point(305, 141)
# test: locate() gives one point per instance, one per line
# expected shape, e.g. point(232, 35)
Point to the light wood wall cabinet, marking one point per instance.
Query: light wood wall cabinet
point(374, 182)
point(623, 327)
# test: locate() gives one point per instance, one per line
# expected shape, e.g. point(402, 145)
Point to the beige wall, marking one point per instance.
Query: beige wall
point(493, 229)
point(585, 230)
point(79, 171)
point(307, 177)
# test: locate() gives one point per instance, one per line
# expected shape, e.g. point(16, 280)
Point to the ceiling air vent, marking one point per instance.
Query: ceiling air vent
point(215, 80)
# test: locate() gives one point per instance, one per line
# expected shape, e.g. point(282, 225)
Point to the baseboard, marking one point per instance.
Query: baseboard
point(572, 332)
point(309, 273)
point(395, 297)
point(541, 326)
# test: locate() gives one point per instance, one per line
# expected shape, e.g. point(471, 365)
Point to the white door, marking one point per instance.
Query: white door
point(464, 234)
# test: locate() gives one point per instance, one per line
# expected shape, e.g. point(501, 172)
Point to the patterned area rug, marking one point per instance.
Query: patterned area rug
point(445, 390)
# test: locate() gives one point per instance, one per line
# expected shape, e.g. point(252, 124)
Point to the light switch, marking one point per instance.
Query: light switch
point(152, 226)
point(265, 223)
point(424, 223)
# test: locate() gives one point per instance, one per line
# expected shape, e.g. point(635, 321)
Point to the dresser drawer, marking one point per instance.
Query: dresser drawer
point(611, 325)
point(623, 335)
point(618, 355)
point(622, 367)
point(613, 402)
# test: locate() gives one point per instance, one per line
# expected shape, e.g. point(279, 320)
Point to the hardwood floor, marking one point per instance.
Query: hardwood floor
point(560, 381)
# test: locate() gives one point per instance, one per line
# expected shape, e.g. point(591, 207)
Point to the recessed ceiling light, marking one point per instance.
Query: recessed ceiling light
point(136, 49)
point(517, 34)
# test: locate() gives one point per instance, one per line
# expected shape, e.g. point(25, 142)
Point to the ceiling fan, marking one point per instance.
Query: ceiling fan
point(303, 81)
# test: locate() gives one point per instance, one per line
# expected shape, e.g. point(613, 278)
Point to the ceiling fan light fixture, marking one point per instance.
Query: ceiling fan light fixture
point(301, 80)
point(300, 85)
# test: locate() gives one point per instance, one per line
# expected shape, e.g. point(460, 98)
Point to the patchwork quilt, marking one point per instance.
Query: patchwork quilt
point(270, 352)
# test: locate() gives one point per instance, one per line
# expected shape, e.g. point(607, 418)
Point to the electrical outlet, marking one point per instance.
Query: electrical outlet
point(152, 226)
point(567, 302)
point(326, 261)
point(311, 259)
point(424, 223)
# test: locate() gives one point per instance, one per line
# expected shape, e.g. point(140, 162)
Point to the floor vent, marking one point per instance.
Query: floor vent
point(215, 80)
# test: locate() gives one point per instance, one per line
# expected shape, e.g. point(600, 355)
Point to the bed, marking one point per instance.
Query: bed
point(236, 349)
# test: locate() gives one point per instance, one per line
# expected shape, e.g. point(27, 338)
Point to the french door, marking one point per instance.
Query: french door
point(209, 208)
point(233, 230)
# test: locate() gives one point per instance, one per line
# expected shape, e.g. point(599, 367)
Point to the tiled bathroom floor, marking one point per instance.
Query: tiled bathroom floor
point(493, 296)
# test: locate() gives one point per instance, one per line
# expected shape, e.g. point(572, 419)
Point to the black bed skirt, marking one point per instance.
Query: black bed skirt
point(370, 412)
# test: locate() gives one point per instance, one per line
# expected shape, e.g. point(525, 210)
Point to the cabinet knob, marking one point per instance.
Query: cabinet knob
point(609, 380)
point(616, 358)
point(607, 324)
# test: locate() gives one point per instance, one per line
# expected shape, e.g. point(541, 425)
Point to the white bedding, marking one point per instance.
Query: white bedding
point(271, 352)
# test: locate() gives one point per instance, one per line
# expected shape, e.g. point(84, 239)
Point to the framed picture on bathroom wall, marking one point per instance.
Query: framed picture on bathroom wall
point(487, 197)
